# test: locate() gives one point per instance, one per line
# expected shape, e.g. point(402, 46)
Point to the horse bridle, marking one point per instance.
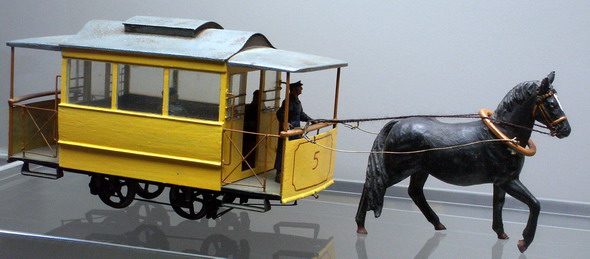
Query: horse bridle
point(539, 106)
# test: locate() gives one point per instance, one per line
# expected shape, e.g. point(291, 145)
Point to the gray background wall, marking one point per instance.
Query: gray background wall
point(405, 57)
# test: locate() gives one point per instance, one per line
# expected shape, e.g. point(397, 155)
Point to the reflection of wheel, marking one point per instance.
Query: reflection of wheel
point(149, 213)
point(219, 245)
point(188, 202)
point(148, 236)
point(114, 191)
point(149, 190)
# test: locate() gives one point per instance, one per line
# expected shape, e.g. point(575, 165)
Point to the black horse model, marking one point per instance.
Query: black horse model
point(496, 162)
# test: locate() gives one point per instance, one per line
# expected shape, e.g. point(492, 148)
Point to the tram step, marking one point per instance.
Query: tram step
point(248, 207)
point(54, 176)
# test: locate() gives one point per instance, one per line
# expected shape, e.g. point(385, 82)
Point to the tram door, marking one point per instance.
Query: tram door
point(233, 127)
point(247, 150)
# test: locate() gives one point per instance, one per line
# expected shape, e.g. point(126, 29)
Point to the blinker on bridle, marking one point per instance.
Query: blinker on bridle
point(539, 106)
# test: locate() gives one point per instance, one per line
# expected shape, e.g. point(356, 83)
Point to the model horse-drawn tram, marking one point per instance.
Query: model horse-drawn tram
point(151, 103)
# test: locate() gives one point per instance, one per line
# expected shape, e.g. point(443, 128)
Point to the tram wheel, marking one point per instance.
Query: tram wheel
point(188, 202)
point(114, 191)
point(148, 190)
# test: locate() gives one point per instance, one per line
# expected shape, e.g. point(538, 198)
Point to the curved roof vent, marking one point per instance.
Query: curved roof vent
point(168, 26)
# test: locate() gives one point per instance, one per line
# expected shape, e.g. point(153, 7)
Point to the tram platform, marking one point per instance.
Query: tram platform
point(261, 184)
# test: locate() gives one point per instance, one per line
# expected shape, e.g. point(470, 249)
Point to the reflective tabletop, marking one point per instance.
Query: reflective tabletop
point(41, 218)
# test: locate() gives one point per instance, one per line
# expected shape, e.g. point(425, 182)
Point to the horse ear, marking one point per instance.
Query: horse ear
point(545, 86)
point(551, 76)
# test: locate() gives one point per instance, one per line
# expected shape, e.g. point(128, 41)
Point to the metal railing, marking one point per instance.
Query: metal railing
point(262, 138)
point(37, 123)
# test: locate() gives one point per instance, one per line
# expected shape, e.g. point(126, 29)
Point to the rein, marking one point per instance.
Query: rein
point(456, 116)
point(512, 143)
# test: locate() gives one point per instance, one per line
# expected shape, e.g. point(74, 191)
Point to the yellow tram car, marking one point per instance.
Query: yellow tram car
point(154, 102)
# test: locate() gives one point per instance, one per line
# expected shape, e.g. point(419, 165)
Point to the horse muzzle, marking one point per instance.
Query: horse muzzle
point(561, 129)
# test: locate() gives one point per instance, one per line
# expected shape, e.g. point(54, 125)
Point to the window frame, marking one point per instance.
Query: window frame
point(115, 77)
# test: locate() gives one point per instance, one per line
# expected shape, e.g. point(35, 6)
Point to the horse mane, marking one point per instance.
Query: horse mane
point(519, 94)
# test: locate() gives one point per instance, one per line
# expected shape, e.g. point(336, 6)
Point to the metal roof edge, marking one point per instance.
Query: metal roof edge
point(52, 43)
point(283, 60)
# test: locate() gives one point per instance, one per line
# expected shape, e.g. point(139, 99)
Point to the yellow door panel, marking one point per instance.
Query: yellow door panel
point(308, 168)
point(232, 153)
point(267, 150)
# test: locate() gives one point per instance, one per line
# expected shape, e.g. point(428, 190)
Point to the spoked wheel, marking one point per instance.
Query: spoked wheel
point(115, 191)
point(188, 202)
point(149, 190)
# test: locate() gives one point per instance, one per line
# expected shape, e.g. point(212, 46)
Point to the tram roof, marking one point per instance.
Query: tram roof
point(184, 38)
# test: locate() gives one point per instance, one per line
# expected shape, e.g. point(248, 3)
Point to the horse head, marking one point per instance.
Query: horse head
point(548, 110)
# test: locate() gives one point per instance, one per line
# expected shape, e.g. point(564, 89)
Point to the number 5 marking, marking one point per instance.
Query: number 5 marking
point(317, 160)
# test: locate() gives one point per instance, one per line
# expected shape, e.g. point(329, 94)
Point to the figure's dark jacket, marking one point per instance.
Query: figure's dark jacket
point(296, 114)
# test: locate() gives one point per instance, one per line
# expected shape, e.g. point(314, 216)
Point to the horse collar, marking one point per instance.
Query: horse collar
point(485, 116)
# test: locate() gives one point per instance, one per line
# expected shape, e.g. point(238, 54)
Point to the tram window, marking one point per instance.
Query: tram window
point(271, 97)
point(140, 88)
point(89, 83)
point(197, 94)
point(236, 100)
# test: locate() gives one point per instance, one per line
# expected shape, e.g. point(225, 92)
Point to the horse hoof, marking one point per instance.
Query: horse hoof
point(503, 236)
point(440, 227)
point(522, 246)
point(361, 230)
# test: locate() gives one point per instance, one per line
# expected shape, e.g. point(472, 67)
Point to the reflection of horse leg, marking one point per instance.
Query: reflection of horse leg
point(517, 190)
point(361, 249)
point(430, 245)
point(498, 225)
point(361, 213)
point(498, 249)
point(416, 192)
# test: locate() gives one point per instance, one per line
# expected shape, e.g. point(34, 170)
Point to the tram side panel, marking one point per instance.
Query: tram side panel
point(308, 168)
point(144, 147)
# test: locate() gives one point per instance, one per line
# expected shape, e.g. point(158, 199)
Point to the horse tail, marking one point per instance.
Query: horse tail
point(377, 177)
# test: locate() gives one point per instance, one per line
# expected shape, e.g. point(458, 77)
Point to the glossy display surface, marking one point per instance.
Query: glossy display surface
point(72, 222)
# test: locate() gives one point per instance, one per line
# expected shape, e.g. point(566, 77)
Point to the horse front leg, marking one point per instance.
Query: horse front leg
point(361, 213)
point(517, 190)
point(498, 204)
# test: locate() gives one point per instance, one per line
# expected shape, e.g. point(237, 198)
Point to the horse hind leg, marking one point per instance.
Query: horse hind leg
point(416, 192)
point(361, 213)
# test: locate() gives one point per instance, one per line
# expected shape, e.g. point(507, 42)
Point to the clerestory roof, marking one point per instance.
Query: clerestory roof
point(185, 38)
